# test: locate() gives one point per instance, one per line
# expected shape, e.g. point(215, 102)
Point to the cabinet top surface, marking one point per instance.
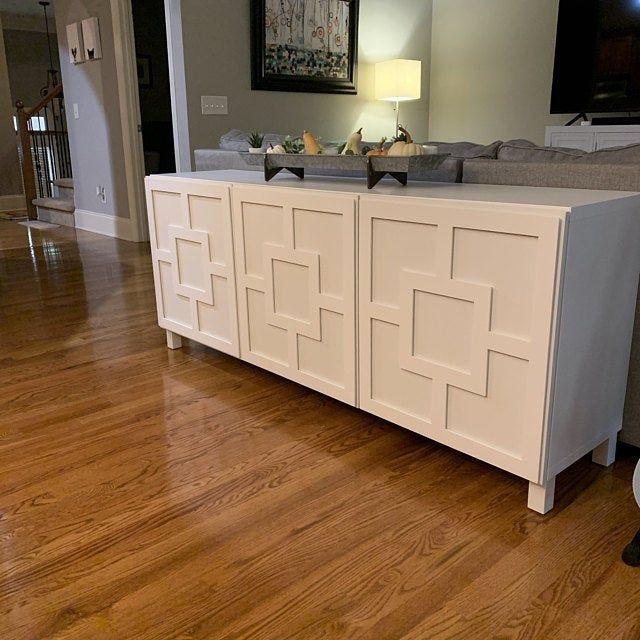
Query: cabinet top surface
point(536, 196)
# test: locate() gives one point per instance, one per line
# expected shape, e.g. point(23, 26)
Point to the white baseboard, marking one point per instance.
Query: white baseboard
point(11, 203)
point(106, 225)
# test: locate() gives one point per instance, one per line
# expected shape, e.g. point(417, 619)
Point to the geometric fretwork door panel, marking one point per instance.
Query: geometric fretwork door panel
point(193, 266)
point(455, 329)
point(295, 277)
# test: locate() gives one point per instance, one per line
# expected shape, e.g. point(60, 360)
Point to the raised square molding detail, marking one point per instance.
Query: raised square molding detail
point(183, 270)
point(310, 326)
point(473, 378)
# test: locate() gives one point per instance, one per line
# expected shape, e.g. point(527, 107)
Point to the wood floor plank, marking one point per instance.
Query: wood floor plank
point(149, 494)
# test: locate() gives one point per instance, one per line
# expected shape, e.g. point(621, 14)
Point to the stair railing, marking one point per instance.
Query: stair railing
point(43, 146)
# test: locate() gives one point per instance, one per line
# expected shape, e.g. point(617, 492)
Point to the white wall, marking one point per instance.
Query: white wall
point(491, 69)
point(217, 62)
point(95, 139)
point(10, 179)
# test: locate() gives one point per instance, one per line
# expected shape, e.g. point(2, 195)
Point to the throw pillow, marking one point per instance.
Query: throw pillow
point(527, 151)
point(468, 150)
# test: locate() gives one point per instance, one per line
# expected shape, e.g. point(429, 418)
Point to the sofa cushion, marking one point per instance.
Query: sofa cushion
point(236, 140)
point(629, 154)
point(468, 149)
point(527, 151)
point(569, 175)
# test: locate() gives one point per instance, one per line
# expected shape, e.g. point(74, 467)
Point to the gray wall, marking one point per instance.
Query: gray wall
point(491, 69)
point(96, 137)
point(217, 62)
point(10, 179)
point(28, 62)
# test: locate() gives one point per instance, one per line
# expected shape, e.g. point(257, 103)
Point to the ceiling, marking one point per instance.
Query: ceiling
point(23, 7)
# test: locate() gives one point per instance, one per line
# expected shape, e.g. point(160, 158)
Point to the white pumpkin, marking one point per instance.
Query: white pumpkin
point(408, 148)
point(277, 149)
point(405, 149)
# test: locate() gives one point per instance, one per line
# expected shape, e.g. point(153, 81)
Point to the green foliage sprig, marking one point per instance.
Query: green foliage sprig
point(293, 145)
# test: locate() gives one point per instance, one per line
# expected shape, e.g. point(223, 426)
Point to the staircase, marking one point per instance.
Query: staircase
point(60, 208)
point(45, 159)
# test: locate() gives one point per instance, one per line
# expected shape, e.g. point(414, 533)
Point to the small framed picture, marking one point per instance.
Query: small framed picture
point(75, 43)
point(145, 75)
point(91, 37)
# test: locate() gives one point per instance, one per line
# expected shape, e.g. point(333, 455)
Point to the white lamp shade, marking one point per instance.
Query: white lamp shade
point(398, 80)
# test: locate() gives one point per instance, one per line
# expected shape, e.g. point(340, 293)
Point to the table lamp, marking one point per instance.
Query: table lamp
point(398, 81)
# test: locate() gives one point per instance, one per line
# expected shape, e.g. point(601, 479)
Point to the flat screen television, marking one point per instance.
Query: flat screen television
point(597, 61)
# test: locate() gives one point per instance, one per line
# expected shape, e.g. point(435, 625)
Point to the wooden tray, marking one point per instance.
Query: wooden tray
point(374, 167)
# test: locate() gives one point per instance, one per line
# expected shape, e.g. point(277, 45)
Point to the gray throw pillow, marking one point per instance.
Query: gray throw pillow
point(527, 151)
point(468, 150)
point(629, 154)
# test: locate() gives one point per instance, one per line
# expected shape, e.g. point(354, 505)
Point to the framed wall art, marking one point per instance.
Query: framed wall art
point(91, 37)
point(75, 42)
point(304, 45)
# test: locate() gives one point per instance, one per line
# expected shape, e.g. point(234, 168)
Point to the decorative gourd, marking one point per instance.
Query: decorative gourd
point(408, 148)
point(354, 144)
point(311, 146)
point(379, 150)
point(277, 149)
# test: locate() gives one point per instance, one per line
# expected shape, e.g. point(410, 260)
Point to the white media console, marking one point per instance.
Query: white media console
point(592, 138)
point(495, 320)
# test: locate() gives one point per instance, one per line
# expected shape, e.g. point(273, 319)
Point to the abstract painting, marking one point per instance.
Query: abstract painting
point(304, 45)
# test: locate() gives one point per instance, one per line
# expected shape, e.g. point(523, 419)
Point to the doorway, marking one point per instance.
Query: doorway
point(154, 90)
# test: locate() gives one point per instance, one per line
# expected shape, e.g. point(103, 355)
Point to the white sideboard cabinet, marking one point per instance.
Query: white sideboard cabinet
point(592, 137)
point(495, 320)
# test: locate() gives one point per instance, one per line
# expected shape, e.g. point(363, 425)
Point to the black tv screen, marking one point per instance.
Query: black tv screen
point(597, 63)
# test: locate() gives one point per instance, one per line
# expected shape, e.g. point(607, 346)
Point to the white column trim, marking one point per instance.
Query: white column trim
point(127, 78)
point(178, 85)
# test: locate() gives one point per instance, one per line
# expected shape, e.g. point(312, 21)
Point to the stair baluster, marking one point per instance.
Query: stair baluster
point(43, 147)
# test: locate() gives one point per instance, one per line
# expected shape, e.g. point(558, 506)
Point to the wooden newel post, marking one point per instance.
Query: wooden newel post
point(28, 175)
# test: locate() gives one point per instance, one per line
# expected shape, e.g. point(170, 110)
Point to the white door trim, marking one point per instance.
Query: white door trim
point(126, 71)
point(178, 85)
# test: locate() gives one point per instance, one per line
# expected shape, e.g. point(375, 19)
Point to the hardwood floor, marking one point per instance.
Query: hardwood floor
point(150, 494)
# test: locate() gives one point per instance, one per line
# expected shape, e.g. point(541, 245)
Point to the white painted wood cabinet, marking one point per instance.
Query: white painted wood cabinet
point(295, 260)
point(592, 137)
point(192, 251)
point(455, 324)
point(495, 320)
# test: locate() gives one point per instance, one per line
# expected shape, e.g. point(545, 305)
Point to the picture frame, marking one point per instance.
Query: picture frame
point(75, 43)
point(91, 37)
point(144, 69)
point(306, 46)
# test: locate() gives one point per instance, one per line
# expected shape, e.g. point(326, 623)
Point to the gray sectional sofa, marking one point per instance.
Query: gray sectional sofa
point(520, 162)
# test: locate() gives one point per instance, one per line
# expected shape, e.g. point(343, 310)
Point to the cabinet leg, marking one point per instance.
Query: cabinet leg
point(174, 341)
point(541, 496)
point(605, 453)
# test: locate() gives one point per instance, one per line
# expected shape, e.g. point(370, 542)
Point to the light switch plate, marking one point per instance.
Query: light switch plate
point(214, 105)
point(76, 111)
